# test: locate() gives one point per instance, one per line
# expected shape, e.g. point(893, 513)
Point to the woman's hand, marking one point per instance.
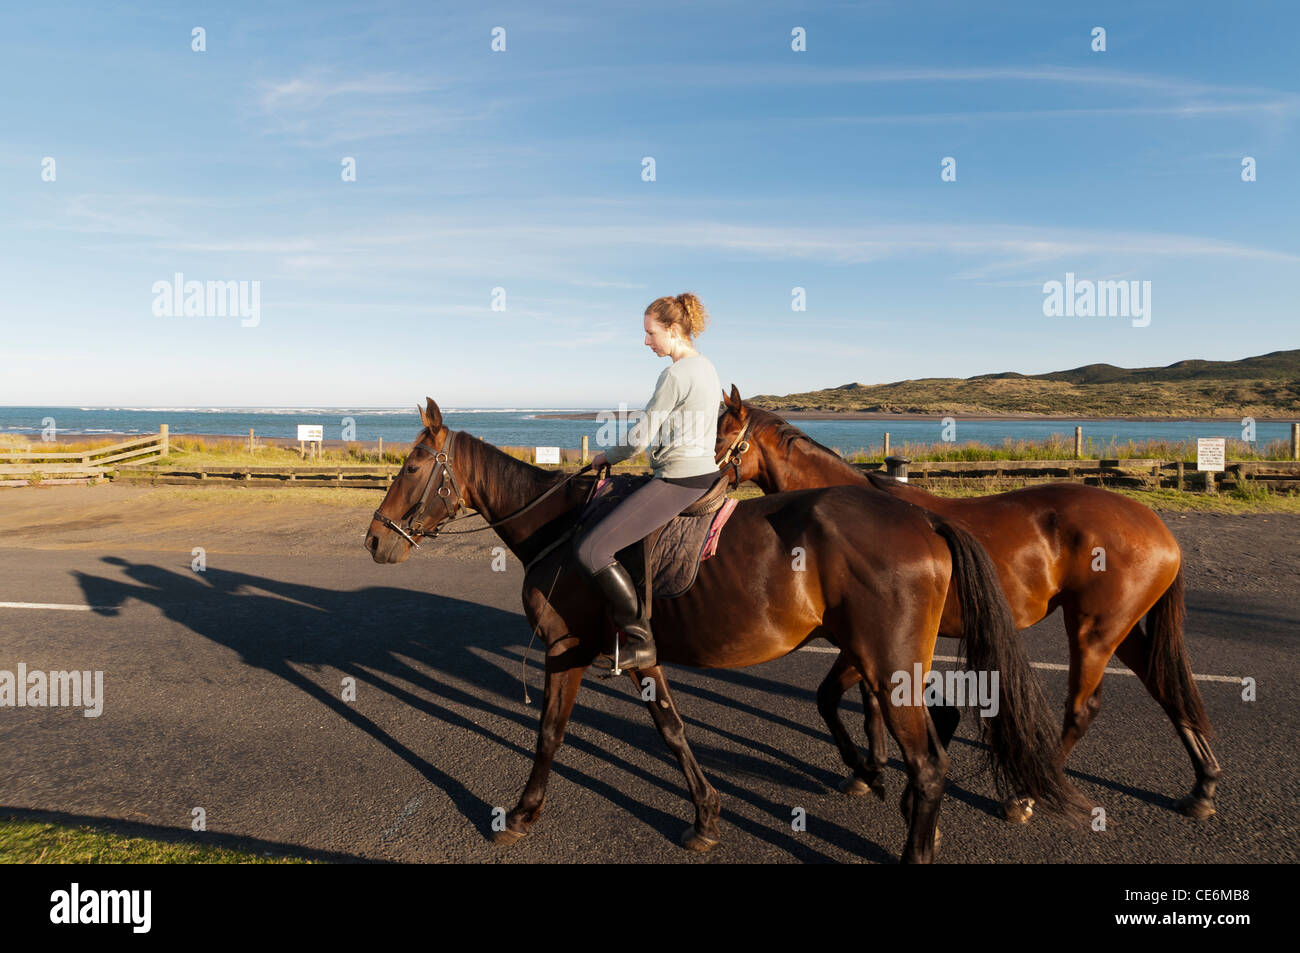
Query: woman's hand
point(598, 460)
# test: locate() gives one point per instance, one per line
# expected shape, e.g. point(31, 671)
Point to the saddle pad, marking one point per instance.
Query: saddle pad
point(679, 548)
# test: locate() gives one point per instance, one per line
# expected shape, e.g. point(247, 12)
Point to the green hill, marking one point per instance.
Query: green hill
point(1264, 386)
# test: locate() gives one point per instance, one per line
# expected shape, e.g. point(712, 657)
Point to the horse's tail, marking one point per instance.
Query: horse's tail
point(1024, 742)
point(1168, 665)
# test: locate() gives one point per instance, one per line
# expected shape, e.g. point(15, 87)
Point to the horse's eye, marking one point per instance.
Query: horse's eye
point(412, 469)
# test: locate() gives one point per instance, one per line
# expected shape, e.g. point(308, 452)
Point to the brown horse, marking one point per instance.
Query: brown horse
point(1104, 559)
point(752, 602)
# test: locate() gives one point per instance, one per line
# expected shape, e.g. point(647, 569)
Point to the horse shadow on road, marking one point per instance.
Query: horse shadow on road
point(462, 656)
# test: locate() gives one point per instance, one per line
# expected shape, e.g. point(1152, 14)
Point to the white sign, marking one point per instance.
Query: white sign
point(311, 432)
point(1209, 454)
point(548, 454)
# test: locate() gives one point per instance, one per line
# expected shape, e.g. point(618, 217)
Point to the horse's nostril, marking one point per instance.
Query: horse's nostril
point(372, 543)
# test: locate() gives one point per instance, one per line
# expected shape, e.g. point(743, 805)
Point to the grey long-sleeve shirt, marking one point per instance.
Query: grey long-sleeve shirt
point(680, 423)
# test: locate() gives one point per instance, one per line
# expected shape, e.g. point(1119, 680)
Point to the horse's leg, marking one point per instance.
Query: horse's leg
point(927, 766)
point(1200, 802)
point(704, 835)
point(566, 661)
point(865, 777)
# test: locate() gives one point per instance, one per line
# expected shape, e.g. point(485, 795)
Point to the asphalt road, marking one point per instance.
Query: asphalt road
point(223, 691)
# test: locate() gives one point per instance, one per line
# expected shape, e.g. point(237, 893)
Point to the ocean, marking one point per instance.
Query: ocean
point(522, 427)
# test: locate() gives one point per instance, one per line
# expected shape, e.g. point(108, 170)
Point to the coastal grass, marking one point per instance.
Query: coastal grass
point(189, 451)
point(41, 842)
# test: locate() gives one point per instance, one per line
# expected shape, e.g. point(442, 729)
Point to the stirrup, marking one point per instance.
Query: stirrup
point(638, 654)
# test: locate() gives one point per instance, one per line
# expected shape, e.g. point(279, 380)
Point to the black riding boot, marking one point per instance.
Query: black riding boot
point(617, 585)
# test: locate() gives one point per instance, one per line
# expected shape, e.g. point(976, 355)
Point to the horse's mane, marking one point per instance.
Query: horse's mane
point(787, 434)
point(519, 482)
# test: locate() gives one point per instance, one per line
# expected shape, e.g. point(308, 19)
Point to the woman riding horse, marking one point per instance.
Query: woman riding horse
point(680, 425)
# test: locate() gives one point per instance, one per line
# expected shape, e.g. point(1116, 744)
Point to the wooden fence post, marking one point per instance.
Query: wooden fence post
point(250, 439)
point(583, 461)
point(886, 443)
point(381, 449)
point(164, 434)
point(1078, 443)
point(1295, 441)
point(1178, 480)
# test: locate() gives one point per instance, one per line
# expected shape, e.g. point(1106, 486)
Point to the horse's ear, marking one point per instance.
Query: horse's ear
point(430, 415)
point(736, 404)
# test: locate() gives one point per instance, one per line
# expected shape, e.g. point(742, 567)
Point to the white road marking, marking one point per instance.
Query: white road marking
point(51, 605)
point(1048, 666)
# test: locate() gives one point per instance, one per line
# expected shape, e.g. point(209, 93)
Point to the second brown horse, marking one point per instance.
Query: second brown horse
point(1104, 559)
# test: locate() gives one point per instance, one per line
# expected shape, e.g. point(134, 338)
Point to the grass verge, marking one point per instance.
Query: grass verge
point(42, 842)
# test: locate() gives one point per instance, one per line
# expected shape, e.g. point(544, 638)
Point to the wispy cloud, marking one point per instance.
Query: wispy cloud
point(320, 109)
point(313, 91)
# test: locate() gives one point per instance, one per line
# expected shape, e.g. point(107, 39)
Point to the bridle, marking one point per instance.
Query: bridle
point(731, 456)
point(414, 521)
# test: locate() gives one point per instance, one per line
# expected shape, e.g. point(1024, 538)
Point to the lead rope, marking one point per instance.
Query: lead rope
point(523, 665)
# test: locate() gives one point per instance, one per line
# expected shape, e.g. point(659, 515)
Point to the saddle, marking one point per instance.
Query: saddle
point(665, 563)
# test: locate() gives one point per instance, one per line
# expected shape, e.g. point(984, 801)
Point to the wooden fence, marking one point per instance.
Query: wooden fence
point(1137, 473)
point(375, 476)
point(55, 466)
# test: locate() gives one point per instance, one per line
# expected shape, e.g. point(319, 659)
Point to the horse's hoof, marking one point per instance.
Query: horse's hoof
point(854, 786)
point(1196, 807)
point(507, 837)
point(1018, 810)
point(693, 840)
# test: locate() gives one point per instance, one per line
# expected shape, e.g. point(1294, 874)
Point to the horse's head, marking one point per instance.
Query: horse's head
point(425, 493)
point(736, 449)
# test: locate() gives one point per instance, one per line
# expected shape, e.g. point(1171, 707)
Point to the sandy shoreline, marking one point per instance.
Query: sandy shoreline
point(288, 442)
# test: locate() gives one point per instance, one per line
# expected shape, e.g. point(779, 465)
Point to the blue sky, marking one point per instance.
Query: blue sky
point(522, 170)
